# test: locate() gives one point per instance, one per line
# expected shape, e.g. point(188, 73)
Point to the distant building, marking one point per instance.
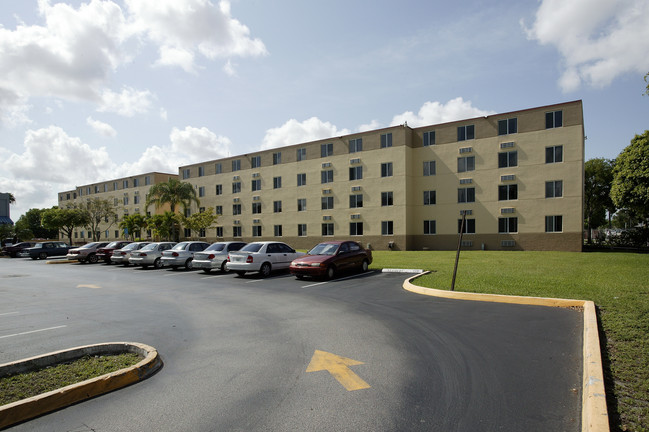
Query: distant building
point(5, 213)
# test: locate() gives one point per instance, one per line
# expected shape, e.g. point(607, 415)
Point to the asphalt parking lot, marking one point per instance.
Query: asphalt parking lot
point(245, 353)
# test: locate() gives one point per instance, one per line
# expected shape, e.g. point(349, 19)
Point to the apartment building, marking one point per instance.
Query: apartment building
point(128, 194)
point(518, 177)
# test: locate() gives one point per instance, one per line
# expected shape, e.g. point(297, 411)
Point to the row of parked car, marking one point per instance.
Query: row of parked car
point(326, 259)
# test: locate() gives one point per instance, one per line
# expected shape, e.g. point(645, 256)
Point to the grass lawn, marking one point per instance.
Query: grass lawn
point(618, 283)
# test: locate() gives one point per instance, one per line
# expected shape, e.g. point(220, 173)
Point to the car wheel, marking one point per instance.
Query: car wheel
point(241, 273)
point(365, 266)
point(331, 272)
point(34, 257)
point(189, 264)
point(157, 263)
point(265, 270)
point(42, 255)
point(92, 259)
point(224, 266)
point(82, 261)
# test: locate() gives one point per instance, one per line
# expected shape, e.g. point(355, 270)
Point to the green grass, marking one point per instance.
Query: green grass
point(23, 386)
point(618, 283)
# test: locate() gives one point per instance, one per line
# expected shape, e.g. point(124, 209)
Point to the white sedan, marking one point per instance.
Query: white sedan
point(262, 257)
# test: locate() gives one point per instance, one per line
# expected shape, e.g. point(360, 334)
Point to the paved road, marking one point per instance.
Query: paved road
point(236, 352)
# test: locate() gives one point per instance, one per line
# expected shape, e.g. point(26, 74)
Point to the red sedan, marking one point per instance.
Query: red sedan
point(327, 259)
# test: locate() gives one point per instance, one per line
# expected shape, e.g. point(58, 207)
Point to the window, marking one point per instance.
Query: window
point(430, 227)
point(236, 209)
point(430, 197)
point(508, 126)
point(201, 171)
point(136, 200)
point(236, 231)
point(466, 163)
point(386, 169)
point(356, 173)
point(147, 180)
point(301, 204)
point(125, 200)
point(327, 176)
point(219, 189)
point(429, 168)
point(387, 228)
point(386, 140)
point(188, 212)
point(356, 201)
point(301, 154)
point(553, 119)
point(201, 232)
point(277, 230)
point(327, 203)
point(327, 229)
point(386, 199)
point(553, 223)
point(255, 162)
point(277, 206)
point(218, 169)
point(236, 187)
point(277, 182)
point(507, 192)
point(219, 231)
point(301, 179)
point(469, 226)
point(277, 158)
point(429, 138)
point(465, 132)
point(554, 189)
point(326, 150)
point(508, 159)
point(466, 195)
point(301, 230)
point(114, 186)
point(508, 225)
point(236, 165)
point(201, 191)
point(256, 185)
point(125, 182)
point(256, 231)
point(356, 145)
point(356, 228)
point(554, 154)
point(256, 208)
point(219, 210)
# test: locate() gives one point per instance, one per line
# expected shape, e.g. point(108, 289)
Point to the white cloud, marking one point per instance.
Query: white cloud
point(13, 109)
point(374, 124)
point(599, 41)
point(436, 112)
point(127, 103)
point(294, 132)
point(103, 129)
point(199, 144)
point(229, 68)
point(183, 29)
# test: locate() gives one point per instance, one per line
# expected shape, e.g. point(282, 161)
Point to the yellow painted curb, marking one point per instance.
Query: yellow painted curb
point(65, 261)
point(594, 414)
point(27, 409)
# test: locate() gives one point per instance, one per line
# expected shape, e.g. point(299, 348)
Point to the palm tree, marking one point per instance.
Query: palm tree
point(173, 192)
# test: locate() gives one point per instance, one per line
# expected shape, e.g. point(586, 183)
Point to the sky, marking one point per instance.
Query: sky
point(94, 90)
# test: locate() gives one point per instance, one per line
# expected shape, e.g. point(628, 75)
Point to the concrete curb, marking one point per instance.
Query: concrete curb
point(594, 414)
point(394, 270)
point(27, 409)
point(63, 261)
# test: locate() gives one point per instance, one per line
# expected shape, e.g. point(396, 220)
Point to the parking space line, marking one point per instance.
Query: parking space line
point(9, 313)
point(315, 284)
point(255, 281)
point(215, 276)
point(176, 274)
point(32, 331)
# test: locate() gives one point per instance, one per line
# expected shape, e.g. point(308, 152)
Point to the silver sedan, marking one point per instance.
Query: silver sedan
point(150, 254)
point(182, 254)
point(215, 257)
point(121, 256)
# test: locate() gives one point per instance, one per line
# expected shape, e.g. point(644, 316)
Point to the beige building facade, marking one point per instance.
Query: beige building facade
point(518, 177)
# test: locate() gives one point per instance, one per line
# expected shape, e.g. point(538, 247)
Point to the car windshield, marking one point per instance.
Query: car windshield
point(150, 246)
point(252, 247)
point(38, 245)
point(112, 245)
point(130, 246)
point(216, 247)
point(88, 246)
point(324, 249)
point(180, 246)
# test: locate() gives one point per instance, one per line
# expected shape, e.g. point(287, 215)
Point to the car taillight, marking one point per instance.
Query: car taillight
point(174, 254)
point(228, 260)
point(249, 259)
point(210, 256)
point(142, 254)
point(122, 253)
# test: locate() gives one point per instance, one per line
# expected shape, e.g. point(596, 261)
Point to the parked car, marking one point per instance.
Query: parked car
point(86, 253)
point(45, 249)
point(13, 250)
point(215, 257)
point(182, 254)
point(104, 253)
point(262, 257)
point(330, 258)
point(121, 256)
point(150, 254)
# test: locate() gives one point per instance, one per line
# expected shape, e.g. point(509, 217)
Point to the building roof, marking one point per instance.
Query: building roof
point(5, 220)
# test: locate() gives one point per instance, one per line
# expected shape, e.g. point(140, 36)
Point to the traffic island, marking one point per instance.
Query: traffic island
point(27, 409)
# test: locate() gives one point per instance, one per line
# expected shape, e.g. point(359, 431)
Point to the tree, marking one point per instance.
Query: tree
point(133, 224)
point(12, 198)
point(646, 79)
point(162, 225)
point(174, 193)
point(597, 193)
point(29, 225)
point(630, 187)
point(200, 221)
point(99, 210)
point(65, 220)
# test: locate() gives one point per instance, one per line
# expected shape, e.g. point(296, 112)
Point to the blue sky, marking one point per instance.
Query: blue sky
point(95, 90)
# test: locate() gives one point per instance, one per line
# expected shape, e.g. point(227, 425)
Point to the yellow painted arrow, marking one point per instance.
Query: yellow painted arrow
point(338, 367)
point(88, 286)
